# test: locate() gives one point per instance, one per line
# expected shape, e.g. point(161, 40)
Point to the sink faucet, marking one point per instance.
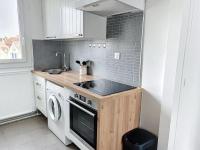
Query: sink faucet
point(65, 68)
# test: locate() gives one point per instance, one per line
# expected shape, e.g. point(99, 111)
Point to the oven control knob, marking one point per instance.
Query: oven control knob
point(76, 95)
point(89, 102)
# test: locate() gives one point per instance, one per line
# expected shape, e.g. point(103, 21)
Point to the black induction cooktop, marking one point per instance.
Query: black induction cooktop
point(104, 87)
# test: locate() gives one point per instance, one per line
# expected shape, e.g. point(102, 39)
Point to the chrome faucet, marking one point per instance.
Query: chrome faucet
point(65, 68)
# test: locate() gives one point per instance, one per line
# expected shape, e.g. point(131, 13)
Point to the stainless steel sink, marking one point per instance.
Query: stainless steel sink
point(55, 71)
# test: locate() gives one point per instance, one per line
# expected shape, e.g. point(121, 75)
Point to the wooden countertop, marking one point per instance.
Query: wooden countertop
point(67, 79)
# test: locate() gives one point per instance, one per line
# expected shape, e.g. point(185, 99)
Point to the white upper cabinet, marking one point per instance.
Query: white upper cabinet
point(63, 21)
point(51, 18)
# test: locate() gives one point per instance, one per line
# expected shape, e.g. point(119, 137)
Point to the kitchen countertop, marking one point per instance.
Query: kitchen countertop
point(67, 79)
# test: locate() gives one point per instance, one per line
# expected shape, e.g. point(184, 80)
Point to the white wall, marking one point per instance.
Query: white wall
point(184, 135)
point(163, 29)
point(176, 15)
point(155, 42)
point(16, 84)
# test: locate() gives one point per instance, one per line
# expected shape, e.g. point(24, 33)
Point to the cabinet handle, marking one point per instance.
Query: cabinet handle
point(80, 34)
point(39, 98)
point(38, 84)
point(51, 37)
point(81, 108)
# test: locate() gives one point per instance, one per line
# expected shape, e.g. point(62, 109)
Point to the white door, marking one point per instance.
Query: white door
point(188, 122)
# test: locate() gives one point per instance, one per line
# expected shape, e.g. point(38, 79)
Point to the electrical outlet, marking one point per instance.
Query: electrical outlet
point(117, 56)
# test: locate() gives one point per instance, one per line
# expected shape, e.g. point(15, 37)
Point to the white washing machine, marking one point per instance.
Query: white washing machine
point(56, 96)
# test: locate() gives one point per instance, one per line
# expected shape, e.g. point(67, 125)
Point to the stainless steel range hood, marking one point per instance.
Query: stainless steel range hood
point(109, 7)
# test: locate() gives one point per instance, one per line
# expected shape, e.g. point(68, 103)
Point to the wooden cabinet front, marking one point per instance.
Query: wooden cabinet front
point(117, 115)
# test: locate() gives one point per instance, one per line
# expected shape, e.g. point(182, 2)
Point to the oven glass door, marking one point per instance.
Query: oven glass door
point(83, 121)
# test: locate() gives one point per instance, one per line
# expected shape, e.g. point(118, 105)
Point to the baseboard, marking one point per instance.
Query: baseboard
point(20, 117)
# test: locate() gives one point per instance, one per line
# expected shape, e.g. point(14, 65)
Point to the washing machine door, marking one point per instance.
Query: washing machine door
point(54, 108)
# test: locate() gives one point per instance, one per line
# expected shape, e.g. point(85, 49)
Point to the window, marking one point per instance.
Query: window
point(10, 37)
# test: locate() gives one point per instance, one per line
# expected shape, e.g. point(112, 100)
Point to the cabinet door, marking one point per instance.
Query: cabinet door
point(77, 22)
point(64, 17)
point(40, 102)
point(52, 18)
point(40, 94)
point(72, 19)
point(62, 20)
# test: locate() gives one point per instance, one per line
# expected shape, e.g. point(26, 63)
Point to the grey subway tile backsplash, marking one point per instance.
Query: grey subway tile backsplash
point(44, 54)
point(124, 34)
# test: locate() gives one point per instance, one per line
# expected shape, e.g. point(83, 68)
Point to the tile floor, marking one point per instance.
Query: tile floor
point(30, 134)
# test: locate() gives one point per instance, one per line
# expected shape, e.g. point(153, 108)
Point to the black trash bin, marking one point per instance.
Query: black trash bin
point(139, 139)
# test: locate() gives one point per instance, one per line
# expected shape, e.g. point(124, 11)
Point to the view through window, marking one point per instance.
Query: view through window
point(10, 43)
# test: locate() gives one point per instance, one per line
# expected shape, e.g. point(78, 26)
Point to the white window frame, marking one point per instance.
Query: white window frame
point(22, 37)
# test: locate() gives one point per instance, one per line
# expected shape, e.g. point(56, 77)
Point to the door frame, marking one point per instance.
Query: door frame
point(180, 80)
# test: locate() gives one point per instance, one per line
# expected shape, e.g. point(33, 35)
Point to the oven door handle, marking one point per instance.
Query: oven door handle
point(86, 111)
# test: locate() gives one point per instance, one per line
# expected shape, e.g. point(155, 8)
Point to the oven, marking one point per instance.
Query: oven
point(83, 120)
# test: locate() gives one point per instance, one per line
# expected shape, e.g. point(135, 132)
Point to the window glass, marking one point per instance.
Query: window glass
point(10, 41)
